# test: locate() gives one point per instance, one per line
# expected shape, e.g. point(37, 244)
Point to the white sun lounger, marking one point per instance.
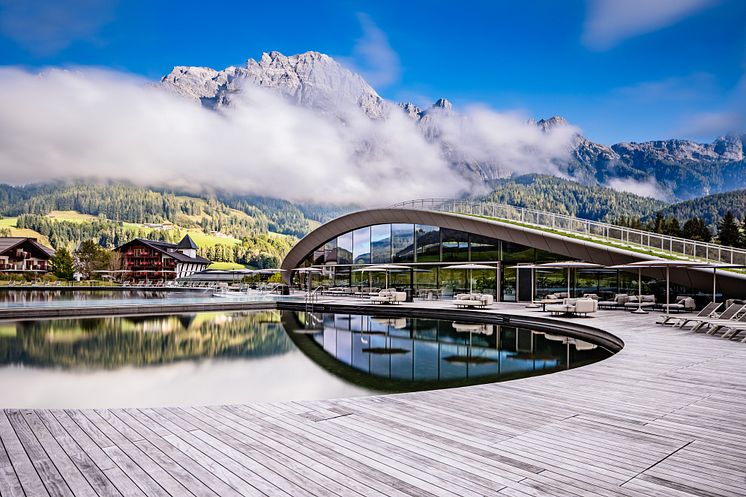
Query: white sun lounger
point(728, 316)
point(706, 312)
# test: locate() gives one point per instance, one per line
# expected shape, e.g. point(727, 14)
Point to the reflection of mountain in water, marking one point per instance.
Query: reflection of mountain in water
point(407, 354)
point(112, 343)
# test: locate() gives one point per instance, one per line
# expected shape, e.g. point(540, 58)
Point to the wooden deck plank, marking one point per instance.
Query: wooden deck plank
point(123, 483)
point(45, 468)
point(664, 417)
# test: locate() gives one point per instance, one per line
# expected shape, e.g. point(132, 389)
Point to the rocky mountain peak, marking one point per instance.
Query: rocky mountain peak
point(411, 110)
point(310, 79)
point(551, 123)
point(443, 103)
point(683, 168)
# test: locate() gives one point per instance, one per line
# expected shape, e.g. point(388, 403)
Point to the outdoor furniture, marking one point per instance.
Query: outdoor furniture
point(547, 301)
point(473, 300)
point(728, 315)
point(735, 329)
point(574, 306)
point(683, 304)
point(616, 303)
point(389, 296)
point(707, 311)
point(646, 302)
point(733, 324)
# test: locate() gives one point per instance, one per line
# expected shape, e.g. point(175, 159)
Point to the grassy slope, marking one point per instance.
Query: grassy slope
point(200, 238)
point(10, 222)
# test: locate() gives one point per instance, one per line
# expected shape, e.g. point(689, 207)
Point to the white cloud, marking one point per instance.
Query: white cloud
point(506, 143)
point(373, 57)
point(645, 188)
point(106, 125)
point(45, 27)
point(609, 22)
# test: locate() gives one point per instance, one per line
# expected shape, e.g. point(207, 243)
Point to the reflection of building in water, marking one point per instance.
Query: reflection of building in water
point(408, 351)
point(111, 343)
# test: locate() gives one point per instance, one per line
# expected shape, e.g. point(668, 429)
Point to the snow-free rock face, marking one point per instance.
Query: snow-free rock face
point(310, 79)
point(683, 168)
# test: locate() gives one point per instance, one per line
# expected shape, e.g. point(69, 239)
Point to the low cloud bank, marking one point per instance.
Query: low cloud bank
point(644, 188)
point(105, 125)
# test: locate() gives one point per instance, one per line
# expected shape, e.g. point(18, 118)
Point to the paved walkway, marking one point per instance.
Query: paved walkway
point(664, 417)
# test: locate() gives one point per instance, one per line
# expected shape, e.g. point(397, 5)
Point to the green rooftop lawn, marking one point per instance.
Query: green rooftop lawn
point(640, 249)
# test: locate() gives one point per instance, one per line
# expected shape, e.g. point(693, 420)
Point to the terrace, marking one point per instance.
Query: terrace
point(646, 421)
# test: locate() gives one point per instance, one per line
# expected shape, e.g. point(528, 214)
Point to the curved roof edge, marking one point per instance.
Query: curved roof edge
point(734, 285)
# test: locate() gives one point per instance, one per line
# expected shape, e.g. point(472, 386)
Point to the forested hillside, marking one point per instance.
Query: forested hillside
point(231, 214)
point(710, 208)
point(110, 214)
point(562, 196)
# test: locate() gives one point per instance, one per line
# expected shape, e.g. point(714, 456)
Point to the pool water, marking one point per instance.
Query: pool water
point(233, 357)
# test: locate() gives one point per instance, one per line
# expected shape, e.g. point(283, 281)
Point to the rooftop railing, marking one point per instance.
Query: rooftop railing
point(619, 236)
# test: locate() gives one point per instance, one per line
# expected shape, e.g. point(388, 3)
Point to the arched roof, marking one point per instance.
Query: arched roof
point(733, 285)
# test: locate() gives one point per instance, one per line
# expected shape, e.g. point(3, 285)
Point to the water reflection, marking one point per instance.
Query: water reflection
point(233, 357)
point(111, 343)
point(403, 354)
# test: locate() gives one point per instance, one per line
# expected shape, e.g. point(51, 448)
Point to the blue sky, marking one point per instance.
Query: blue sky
point(629, 70)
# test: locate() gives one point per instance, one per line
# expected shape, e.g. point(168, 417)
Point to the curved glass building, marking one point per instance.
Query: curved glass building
point(424, 243)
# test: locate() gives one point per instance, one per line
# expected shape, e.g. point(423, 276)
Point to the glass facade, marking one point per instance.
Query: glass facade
point(402, 242)
point(380, 244)
point(427, 243)
point(426, 251)
point(361, 246)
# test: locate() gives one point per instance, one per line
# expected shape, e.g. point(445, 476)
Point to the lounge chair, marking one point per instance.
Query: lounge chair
point(713, 326)
point(728, 316)
point(732, 328)
point(706, 312)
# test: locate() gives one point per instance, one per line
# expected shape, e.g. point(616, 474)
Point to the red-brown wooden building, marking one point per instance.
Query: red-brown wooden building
point(22, 254)
point(151, 260)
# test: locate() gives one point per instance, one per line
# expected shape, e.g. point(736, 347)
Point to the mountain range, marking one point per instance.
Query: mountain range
point(671, 169)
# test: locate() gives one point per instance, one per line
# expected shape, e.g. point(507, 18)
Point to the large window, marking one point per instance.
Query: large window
point(361, 246)
point(330, 251)
point(402, 242)
point(427, 243)
point(344, 248)
point(484, 248)
point(455, 245)
point(380, 244)
point(513, 252)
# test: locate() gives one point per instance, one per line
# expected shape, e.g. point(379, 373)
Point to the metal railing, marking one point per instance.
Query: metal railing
point(620, 236)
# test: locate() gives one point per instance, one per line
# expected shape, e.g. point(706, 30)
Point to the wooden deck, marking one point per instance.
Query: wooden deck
point(664, 417)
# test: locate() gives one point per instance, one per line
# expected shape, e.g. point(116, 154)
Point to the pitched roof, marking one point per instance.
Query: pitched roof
point(187, 243)
point(10, 242)
point(168, 249)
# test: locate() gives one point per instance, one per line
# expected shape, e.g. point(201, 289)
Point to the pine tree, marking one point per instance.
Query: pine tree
point(671, 226)
point(728, 230)
point(63, 264)
point(696, 229)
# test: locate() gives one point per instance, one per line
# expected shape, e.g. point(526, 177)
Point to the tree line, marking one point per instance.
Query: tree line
point(730, 231)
